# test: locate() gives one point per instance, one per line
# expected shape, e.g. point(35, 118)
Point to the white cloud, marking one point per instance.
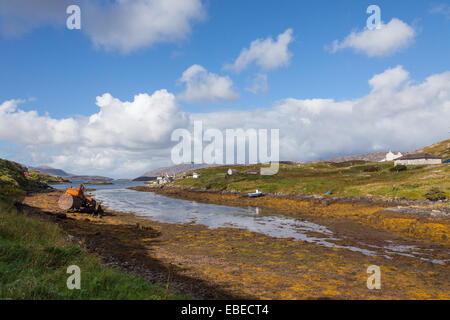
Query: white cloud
point(125, 139)
point(128, 25)
point(387, 40)
point(146, 121)
point(122, 136)
point(124, 25)
point(259, 84)
point(396, 113)
point(205, 87)
point(443, 9)
point(390, 79)
point(30, 128)
point(266, 53)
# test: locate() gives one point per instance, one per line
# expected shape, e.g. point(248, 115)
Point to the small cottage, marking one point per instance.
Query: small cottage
point(416, 159)
point(232, 172)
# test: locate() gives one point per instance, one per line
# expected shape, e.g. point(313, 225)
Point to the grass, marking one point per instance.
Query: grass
point(347, 179)
point(35, 254)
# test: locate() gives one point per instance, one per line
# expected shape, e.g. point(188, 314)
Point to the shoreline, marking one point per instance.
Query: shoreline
point(301, 197)
point(230, 263)
point(118, 238)
point(414, 222)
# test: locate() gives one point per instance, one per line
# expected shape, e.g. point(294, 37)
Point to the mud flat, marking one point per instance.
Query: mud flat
point(226, 263)
point(416, 220)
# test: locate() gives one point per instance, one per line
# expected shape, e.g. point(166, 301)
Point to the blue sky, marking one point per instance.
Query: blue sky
point(61, 72)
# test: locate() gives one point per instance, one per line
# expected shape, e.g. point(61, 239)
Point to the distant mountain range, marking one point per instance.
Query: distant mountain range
point(51, 171)
point(68, 176)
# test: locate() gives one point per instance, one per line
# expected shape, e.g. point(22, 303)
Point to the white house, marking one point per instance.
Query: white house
point(232, 171)
point(195, 175)
point(390, 156)
point(415, 159)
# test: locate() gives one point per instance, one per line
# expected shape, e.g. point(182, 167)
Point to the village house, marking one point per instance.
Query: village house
point(232, 172)
point(166, 178)
point(390, 156)
point(416, 159)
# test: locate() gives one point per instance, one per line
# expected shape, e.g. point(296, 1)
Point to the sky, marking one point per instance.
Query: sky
point(105, 99)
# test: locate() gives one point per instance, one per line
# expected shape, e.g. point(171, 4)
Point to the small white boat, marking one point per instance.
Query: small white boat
point(255, 194)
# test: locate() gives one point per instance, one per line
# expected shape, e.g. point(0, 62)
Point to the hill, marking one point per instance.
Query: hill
point(441, 149)
point(69, 176)
point(51, 171)
point(345, 179)
point(14, 184)
point(345, 176)
point(371, 157)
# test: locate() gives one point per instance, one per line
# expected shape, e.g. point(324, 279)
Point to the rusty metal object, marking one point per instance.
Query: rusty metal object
point(69, 202)
point(75, 199)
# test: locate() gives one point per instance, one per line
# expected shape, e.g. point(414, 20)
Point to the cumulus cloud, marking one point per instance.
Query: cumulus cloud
point(146, 121)
point(205, 87)
point(127, 138)
point(396, 114)
point(127, 25)
point(387, 40)
point(123, 25)
point(267, 53)
point(30, 128)
point(390, 79)
point(121, 136)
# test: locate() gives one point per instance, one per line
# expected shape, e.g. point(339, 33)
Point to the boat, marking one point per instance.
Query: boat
point(255, 194)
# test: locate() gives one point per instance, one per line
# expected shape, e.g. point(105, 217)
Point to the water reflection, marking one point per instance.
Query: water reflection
point(168, 210)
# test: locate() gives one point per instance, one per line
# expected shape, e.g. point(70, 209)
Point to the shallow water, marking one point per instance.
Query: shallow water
point(160, 208)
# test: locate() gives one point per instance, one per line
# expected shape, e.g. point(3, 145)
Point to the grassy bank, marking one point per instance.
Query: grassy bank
point(346, 179)
point(35, 254)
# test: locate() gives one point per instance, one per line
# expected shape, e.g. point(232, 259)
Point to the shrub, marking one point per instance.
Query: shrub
point(435, 194)
point(398, 168)
point(372, 169)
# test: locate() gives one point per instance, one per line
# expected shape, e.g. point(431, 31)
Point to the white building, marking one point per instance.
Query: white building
point(416, 159)
point(195, 175)
point(390, 156)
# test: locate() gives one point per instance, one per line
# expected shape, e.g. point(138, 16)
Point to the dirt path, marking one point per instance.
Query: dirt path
point(231, 263)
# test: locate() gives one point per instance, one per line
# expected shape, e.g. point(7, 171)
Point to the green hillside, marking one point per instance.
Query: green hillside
point(346, 179)
point(441, 149)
